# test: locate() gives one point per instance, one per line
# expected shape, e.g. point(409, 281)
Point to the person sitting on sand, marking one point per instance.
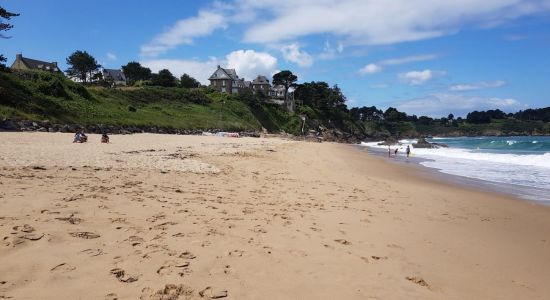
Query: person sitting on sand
point(83, 137)
point(105, 138)
point(80, 137)
point(77, 137)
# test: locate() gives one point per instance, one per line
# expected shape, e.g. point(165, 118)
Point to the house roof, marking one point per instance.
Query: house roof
point(39, 65)
point(117, 75)
point(260, 80)
point(222, 73)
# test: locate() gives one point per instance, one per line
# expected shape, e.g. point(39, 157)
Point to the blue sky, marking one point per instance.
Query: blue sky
point(423, 57)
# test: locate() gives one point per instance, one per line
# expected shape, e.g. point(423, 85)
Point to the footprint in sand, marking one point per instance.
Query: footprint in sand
point(236, 253)
point(71, 219)
point(122, 276)
point(343, 242)
point(213, 293)
point(25, 232)
point(24, 228)
point(169, 267)
point(111, 296)
point(418, 281)
point(85, 235)
point(169, 292)
point(187, 255)
point(92, 252)
point(135, 240)
point(63, 267)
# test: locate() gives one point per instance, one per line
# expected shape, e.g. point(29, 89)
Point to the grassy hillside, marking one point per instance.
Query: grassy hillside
point(38, 96)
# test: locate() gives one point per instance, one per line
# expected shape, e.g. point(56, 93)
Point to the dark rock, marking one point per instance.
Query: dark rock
point(8, 125)
point(423, 143)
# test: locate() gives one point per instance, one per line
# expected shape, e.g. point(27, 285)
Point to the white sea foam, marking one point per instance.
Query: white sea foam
point(530, 170)
point(536, 160)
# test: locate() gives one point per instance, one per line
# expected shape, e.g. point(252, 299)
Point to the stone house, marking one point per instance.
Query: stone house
point(261, 85)
point(114, 77)
point(24, 63)
point(277, 92)
point(226, 81)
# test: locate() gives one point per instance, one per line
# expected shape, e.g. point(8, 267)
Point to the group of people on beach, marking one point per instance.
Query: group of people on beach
point(407, 151)
point(81, 137)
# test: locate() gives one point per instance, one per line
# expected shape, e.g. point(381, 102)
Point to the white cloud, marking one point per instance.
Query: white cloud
point(420, 77)
point(111, 56)
point(379, 22)
point(293, 54)
point(184, 31)
point(370, 69)
point(407, 59)
point(249, 63)
point(377, 67)
point(442, 104)
point(199, 70)
point(476, 86)
point(330, 52)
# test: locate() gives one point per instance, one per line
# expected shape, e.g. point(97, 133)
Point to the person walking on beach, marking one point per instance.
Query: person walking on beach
point(389, 151)
point(395, 152)
point(408, 150)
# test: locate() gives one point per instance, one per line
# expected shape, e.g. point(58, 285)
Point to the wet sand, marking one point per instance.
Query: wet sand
point(187, 217)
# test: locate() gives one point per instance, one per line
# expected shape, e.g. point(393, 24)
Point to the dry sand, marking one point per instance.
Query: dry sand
point(183, 217)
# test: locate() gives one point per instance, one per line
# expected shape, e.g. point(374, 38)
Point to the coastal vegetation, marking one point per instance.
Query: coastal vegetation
point(166, 102)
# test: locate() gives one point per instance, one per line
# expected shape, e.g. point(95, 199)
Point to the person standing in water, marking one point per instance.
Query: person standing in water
point(408, 150)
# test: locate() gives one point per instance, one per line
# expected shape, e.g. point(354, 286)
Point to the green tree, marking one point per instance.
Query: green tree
point(4, 14)
point(187, 81)
point(164, 78)
point(286, 79)
point(393, 115)
point(82, 65)
point(134, 72)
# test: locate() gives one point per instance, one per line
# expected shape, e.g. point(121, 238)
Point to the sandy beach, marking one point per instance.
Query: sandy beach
point(195, 217)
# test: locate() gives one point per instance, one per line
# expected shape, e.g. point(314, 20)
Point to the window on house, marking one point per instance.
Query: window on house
point(223, 83)
point(223, 90)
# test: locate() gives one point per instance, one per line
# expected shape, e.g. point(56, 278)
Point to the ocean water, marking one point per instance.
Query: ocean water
point(517, 165)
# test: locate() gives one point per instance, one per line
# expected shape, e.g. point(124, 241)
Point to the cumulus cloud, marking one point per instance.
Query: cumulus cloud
point(111, 56)
point(370, 69)
point(293, 54)
point(441, 104)
point(184, 31)
point(379, 22)
point(419, 77)
point(476, 86)
point(249, 63)
point(199, 70)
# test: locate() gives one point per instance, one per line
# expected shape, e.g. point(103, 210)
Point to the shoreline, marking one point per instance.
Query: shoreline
point(256, 217)
point(521, 192)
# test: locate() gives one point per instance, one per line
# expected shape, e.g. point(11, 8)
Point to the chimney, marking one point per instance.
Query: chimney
point(18, 56)
point(218, 66)
point(54, 63)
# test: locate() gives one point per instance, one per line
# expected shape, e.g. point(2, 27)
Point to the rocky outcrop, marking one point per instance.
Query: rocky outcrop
point(423, 143)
